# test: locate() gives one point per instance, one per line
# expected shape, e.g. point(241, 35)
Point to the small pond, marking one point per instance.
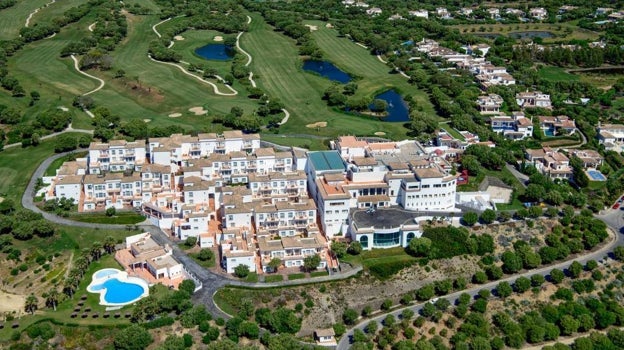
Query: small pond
point(398, 110)
point(327, 70)
point(531, 35)
point(216, 52)
point(518, 35)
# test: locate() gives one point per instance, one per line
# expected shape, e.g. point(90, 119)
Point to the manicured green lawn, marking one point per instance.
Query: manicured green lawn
point(51, 170)
point(312, 144)
point(556, 74)
point(13, 18)
point(318, 273)
point(451, 131)
point(563, 31)
point(17, 165)
point(273, 278)
point(296, 276)
point(204, 263)
point(120, 218)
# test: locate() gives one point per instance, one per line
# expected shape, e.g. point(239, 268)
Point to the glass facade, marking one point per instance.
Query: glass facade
point(386, 239)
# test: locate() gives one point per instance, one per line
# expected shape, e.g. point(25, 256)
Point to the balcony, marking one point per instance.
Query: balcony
point(113, 190)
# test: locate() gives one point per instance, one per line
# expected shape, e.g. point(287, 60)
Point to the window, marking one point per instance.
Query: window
point(364, 241)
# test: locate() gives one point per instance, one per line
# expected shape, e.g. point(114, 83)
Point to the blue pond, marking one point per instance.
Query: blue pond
point(327, 70)
point(118, 292)
point(217, 52)
point(398, 110)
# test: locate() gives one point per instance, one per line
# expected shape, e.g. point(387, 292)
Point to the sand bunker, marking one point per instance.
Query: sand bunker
point(218, 38)
point(175, 115)
point(317, 125)
point(329, 26)
point(62, 108)
point(178, 37)
point(1, 199)
point(380, 133)
point(198, 110)
point(11, 302)
point(147, 120)
point(312, 28)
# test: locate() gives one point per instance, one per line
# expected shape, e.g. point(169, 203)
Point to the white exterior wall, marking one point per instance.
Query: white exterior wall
point(430, 198)
point(232, 262)
point(206, 242)
point(68, 191)
point(237, 220)
point(161, 157)
point(333, 216)
point(195, 196)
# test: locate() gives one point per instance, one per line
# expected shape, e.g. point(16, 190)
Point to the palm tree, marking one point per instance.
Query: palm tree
point(81, 264)
point(52, 298)
point(31, 304)
point(109, 244)
point(69, 287)
point(96, 250)
point(86, 253)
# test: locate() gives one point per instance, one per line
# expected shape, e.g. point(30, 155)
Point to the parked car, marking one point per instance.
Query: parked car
point(616, 205)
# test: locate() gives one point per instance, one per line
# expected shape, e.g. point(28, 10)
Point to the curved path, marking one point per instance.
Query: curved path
point(90, 28)
point(35, 11)
point(215, 88)
point(68, 129)
point(613, 219)
point(249, 58)
point(286, 116)
point(102, 83)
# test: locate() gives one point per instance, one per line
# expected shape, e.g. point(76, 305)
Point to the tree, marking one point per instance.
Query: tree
point(470, 218)
point(488, 216)
point(522, 284)
point(355, 248)
point(96, 250)
point(65, 143)
point(111, 211)
point(109, 244)
point(349, 316)
point(512, 263)
point(274, 264)
point(339, 248)
point(556, 276)
point(534, 193)
point(503, 289)
point(205, 254)
point(575, 269)
point(241, 271)
point(371, 327)
point(31, 304)
point(311, 262)
point(618, 253)
point(386, 305)
point(419, 246)
point(568, 325)
point(133, 337)
point(379, 105)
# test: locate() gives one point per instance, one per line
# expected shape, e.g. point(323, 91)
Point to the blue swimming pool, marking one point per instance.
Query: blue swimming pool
point(549, 132)
point(116, 288)
point(105, 273)
point(118, 292)
point(596, 175)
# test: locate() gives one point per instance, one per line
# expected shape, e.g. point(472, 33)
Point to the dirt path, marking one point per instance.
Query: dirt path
point(69, 264)
point(68, 129)
point(35, 11)
point(102, 83)
point(563, 340)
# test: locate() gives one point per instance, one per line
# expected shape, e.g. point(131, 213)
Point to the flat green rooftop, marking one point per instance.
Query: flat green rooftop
point(326, 160)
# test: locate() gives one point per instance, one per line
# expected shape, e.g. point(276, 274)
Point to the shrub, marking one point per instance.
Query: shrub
point(159, 322)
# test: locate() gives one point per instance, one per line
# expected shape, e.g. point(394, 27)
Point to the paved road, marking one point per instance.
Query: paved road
point(523, 179)
point(613, 218)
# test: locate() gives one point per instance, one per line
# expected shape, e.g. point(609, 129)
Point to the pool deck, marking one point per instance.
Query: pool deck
point(125, 258)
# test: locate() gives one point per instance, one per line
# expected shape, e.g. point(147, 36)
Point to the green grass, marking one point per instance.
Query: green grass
point(451, 131)
point(13, 18)
point(312, 144)
point(562, 31)
point(273, 278)
point(120, 218)
point(56, 164)
point(318, 273)
point(207, 264)
point(296, 276)
point(516, 204)
point(252, 277)
point(555, 74)
point(18, 164)
point(277, 68)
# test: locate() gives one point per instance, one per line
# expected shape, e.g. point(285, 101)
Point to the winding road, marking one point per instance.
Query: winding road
point(68, 129)
point(613, 219)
